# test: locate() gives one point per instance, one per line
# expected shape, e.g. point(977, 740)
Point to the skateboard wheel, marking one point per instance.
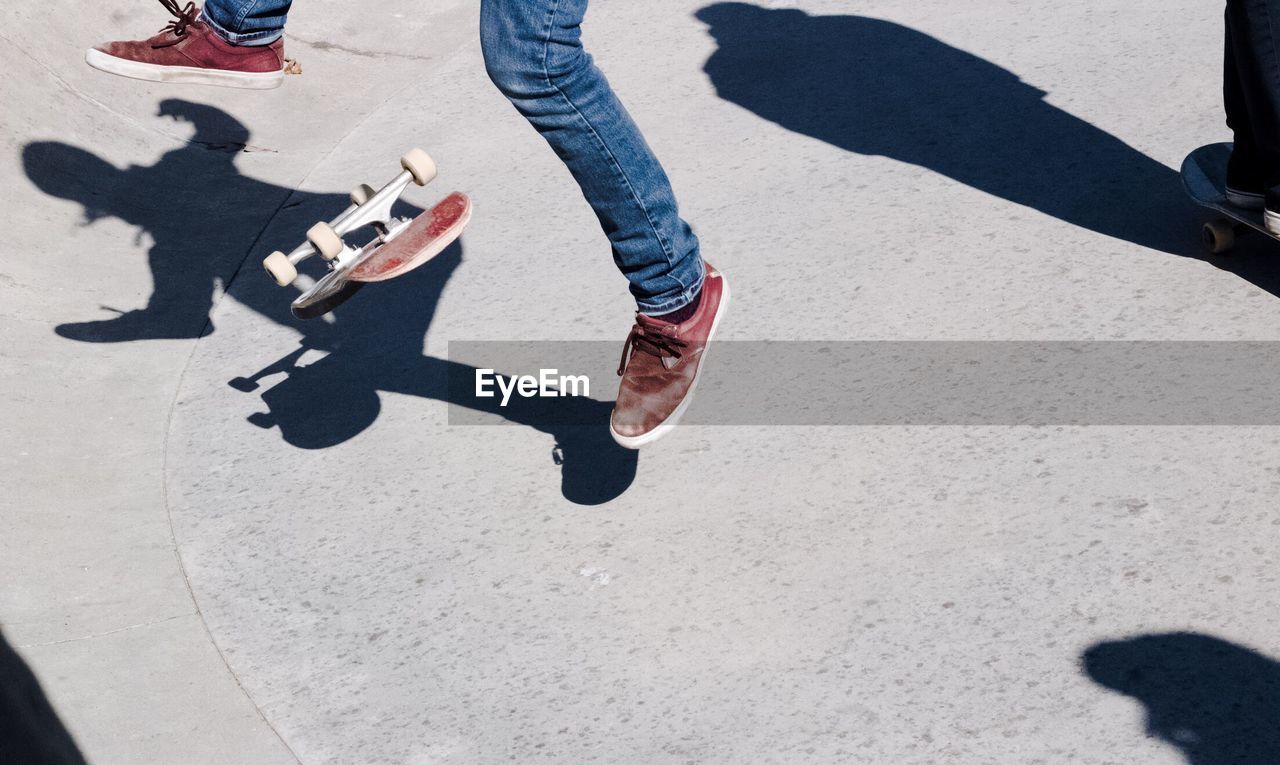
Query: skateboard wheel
point(1219, 236)
point(281, 268)
point(325, 240)
point(420, 165)
point(361, 194)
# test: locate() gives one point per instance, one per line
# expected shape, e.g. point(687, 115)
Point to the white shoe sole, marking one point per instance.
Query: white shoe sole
point(192, 75)
point(1272, 221)
point(669, 424)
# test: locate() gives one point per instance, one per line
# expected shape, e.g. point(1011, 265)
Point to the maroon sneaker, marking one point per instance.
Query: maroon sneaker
point(188, 50)
point(660, 366)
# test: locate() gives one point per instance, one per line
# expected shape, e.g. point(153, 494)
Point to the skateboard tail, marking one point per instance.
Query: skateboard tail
point(1204, 176)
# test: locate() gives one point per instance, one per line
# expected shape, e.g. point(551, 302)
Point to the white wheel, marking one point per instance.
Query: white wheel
point(1219, 236)
point(280, 268)
point(361, 194)
point(420, 165)
point(325, 240)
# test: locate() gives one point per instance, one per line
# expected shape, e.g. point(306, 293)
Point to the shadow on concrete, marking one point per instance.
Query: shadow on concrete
point(200, 213)
point(1218, 702)
point(878, 88)
point(375, 347)
point(30, 731)
point(203, 215)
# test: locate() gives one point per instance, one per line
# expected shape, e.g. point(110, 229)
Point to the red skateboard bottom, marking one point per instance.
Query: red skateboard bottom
point(426, 237)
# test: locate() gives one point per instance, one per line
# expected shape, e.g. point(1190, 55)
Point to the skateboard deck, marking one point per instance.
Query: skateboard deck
point(400, 244)
point(424, 238)
point(428, 235)
point(1204, 176)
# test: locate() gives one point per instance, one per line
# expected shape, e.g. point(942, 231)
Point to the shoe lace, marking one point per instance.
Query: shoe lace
point(651, 340)
point(183, 17)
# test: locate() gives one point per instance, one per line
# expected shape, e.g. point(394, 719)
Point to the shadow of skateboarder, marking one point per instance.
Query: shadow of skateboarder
point(1216, 701)
point(31, 732)
point(878, 88)
point(205, 220)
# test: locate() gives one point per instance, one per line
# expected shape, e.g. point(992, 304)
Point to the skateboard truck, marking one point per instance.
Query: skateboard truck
point(383, 258)
point(367, 207)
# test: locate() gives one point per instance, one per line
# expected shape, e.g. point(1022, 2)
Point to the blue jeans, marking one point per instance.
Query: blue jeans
point(247, 22)
point(533, 53)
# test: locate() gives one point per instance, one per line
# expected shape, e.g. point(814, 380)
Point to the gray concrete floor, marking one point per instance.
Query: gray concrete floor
point(198, 574)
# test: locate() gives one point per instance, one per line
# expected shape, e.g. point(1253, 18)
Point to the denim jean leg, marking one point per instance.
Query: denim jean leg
point(533, 52)
point(247, 22)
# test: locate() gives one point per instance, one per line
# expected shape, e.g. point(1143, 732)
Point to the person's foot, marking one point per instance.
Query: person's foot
point(189, 51)
point(1246, 183)
point(660, 366)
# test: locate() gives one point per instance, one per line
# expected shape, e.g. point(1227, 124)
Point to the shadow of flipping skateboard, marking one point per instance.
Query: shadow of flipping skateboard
point(399, 246)
point(1204, 176)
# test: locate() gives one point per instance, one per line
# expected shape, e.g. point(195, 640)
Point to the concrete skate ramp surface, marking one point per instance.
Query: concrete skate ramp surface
point(231, 536)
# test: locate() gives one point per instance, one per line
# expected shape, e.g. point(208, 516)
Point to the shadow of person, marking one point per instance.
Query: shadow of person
point(1216, 701)
point(205, 220)
point(878, 88)
point(30, 731)
point(376, 347)
point(200, 212)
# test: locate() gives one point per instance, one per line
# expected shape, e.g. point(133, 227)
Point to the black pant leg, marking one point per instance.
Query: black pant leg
point(1233, 97)
point(1252, 83)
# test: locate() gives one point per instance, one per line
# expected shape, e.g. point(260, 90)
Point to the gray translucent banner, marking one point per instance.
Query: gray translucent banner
point(896, 383)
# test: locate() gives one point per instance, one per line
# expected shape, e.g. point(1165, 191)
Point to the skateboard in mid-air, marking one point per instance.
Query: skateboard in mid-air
point(400, 244)
point(1204, 176)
